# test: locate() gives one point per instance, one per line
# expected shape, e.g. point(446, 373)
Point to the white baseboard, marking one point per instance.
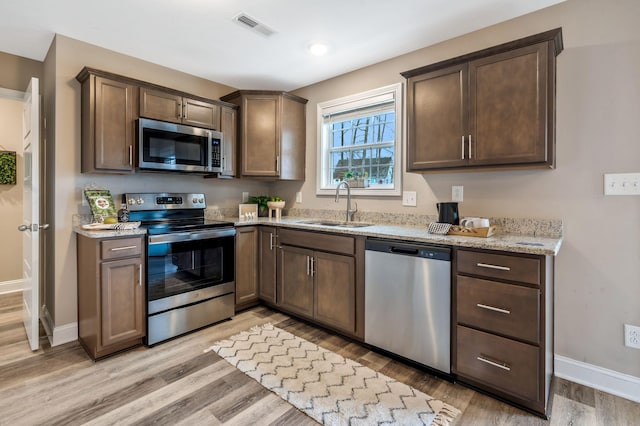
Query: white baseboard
point(10, 286)
point(619, 384)
point(58, 335)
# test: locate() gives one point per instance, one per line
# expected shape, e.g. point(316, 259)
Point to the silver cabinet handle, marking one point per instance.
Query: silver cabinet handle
point(313, 266)
point(184, 111)
point(489, 266)
point(277, 164)
point(122, 248)
point(179, 110)
point(308, 265)
point(130, 155)
point(503, 365)
point(140, 275)
point(271, 241)
point(469, 147)
point(493, 308)
point(462, 149)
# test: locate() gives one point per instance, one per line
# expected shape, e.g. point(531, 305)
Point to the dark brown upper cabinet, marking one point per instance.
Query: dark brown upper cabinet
point(108, 113)
point(168, 106)
point(491, 109)
point(272, 134)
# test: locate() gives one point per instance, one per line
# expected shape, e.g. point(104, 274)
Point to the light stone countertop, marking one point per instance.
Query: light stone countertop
point(414, 233)
point(503, 242)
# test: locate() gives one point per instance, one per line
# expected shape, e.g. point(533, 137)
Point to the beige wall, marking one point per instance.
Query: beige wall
point(11, 195)
point(70, 57)
point(598, 104)
point(16, 71)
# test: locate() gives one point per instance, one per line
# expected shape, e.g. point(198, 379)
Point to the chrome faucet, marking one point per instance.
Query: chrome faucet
point(350, 212)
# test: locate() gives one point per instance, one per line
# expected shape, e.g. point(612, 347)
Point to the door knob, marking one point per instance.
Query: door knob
point(35, 227)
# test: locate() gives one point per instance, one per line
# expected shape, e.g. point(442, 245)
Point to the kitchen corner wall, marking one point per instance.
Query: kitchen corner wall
point(598, 103)
point(65, 59)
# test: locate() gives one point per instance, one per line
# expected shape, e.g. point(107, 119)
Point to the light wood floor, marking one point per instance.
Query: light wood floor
point(178, 383)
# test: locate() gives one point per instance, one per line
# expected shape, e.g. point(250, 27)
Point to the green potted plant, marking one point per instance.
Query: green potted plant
point(263, 203)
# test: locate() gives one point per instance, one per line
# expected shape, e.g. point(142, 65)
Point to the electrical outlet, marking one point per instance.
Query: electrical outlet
point(409, 198)
point(245, 197)
point(622, 184)
point(632, 336)
point(299, 197)
point(457, 193)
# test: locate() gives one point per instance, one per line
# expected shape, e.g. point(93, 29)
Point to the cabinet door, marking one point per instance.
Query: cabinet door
point(508, 106)
point(246, 264)
point(115, 117)
point(200, 114)
point(267, 263)
point(260, 135)
point(160, 105)
point(122, 301)
point(229, 129)
point(437, 119)
point(295, 283)
point(335, 290)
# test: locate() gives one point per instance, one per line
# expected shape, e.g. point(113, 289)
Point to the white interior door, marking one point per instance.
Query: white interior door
point(31, 213)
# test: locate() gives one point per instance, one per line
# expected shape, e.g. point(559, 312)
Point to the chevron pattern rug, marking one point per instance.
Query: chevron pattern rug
point(326, 386)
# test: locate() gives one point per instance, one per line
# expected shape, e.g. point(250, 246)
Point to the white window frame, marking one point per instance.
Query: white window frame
point(349, 103)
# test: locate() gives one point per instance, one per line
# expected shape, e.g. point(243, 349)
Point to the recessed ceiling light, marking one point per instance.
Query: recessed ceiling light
point(318, 49)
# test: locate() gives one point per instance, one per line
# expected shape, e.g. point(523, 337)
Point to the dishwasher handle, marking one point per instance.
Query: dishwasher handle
point(402, 250)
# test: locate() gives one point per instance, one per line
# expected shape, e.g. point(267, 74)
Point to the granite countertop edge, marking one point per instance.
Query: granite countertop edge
point(503, 242)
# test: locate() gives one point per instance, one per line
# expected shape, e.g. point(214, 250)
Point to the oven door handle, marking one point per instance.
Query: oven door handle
point(191, 236)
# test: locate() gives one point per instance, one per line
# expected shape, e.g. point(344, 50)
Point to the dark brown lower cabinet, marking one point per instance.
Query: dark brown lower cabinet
point(246, 266)
point(267, 253)
point(504, 325)
point(111, 294)
point(320, 278)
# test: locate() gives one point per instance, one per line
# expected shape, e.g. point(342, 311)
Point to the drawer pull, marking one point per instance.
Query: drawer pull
point(493, 308)
point(122, 248)
point(494, 363)
point(488, 265)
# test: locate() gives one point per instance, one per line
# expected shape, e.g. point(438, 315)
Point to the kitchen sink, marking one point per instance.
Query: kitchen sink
point(336, 223)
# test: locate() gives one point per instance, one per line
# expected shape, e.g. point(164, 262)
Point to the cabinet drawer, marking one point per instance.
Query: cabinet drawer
point(500, 266)
point(121, 247)
point(508, 309)
point(317, 241)
point(501, 363)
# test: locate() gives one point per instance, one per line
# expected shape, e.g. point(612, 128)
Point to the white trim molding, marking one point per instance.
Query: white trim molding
point(613, 382)
point(11, 286)
point(58, 335)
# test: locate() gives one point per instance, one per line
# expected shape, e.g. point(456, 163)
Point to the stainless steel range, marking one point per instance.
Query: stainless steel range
point(190, 263)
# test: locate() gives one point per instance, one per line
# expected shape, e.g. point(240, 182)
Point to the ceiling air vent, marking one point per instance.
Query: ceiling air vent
point(248, 22)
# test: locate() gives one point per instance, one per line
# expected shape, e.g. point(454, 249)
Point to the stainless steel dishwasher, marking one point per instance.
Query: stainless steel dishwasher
point(408, 301)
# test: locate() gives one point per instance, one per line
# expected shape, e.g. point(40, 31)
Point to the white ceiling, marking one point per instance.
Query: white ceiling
point(201, 38)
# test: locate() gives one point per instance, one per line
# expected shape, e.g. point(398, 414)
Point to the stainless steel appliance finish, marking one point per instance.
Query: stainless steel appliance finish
point(408, 301)
point(176, 147)
point(192, 317)
point(190, 281)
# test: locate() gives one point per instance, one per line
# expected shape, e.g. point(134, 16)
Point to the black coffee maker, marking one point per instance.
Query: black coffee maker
point(448, 213)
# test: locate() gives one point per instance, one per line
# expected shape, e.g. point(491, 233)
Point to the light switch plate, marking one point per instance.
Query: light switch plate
point(622, 184)
point(299, 197)
point(409, 198)
point(457, 193)
point(245, 197)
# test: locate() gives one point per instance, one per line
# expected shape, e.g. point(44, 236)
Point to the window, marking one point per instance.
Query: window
point(360, 137)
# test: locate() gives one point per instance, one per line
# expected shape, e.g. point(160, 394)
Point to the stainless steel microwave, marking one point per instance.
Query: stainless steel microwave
point(176, 147)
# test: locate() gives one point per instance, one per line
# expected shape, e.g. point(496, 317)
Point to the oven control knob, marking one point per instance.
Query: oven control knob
point(201, 200)
point(194, 201)
point(139, 201)
point(131, 201)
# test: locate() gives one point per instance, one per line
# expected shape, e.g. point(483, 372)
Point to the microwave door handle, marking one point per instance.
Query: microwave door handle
point(210, 150)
